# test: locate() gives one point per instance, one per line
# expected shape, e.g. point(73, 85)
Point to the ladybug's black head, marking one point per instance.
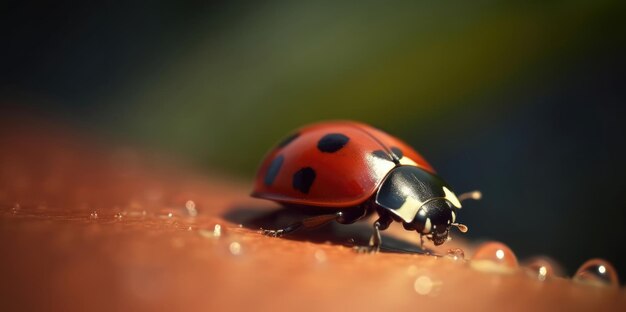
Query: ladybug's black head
point(434, 219)
point(421, 200)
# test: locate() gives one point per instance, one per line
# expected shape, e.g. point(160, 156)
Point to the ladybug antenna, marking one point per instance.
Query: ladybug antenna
point(462, 227)
point(475, 195)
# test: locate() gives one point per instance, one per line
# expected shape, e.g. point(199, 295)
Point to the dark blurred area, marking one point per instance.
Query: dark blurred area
point(522, 100)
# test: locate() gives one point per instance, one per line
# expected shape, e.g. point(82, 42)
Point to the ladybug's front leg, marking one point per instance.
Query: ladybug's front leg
point(375, 241)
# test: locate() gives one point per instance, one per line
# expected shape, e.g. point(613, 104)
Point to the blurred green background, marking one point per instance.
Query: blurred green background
point(521, 99)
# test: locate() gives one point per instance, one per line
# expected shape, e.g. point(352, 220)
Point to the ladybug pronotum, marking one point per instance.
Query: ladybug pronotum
point(348, 170)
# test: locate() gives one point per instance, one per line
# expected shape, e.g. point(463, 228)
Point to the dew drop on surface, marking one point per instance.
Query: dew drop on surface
point(235, 248)
point(190, 205)
point(16, 208)
point(167, 213)
point(542, 268)
point(320, 256)
point(216, 232)
point(118, 216)
point(494, 257)
point(93, 215)
point(455, 254)
point(424, 285)
point(597, 272)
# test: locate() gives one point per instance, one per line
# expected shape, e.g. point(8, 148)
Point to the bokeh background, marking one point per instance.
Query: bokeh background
point(523, 100)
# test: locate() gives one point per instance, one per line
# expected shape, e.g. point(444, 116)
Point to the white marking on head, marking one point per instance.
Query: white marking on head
point(427, 226)
point(453, 216)
point(451, 197)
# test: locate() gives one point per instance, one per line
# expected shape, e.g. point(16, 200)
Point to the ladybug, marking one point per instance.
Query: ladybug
point(348, 170)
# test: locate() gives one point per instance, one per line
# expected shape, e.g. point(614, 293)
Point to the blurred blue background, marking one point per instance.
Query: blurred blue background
point(523, 100)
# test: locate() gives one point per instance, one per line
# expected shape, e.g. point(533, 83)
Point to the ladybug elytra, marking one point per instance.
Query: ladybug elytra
point(349, 170)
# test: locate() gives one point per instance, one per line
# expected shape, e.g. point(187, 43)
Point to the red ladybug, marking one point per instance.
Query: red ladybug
point(348, 170)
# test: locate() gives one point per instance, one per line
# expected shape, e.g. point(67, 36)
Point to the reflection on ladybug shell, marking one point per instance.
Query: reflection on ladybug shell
point(332, 164)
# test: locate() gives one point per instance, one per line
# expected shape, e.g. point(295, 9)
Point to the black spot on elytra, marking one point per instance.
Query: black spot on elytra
point(332, 142)
point(273, 169)
point(382, 154)
point(288, 140)
point(303, 179)
point(396, 151)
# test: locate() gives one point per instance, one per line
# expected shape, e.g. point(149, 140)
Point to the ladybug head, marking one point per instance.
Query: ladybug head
point(422, 200)
point(434, 220)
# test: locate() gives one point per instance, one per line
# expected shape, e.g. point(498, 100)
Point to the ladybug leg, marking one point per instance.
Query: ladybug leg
point(375, 241)
point(304, 224)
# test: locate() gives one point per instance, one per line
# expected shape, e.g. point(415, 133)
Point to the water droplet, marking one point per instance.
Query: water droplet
point(217, 230)
point(542, 268)
point(16, 208)
point(235, 248)
point(455, 254)
point(167, 213)
point(118, 216)
point(93, 215)
point(425, 285)
point(597, 272)
point(189, 228)
point(494, 257)
point(240, 225)
point(190, 205)
point(320, 255)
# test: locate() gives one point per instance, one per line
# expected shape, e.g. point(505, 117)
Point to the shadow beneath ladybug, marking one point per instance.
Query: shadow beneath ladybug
point(357, 234)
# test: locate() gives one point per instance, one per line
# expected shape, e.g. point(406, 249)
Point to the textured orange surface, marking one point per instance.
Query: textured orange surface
point(87, 227)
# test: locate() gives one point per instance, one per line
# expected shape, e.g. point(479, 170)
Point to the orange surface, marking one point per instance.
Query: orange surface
point(87, 227)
